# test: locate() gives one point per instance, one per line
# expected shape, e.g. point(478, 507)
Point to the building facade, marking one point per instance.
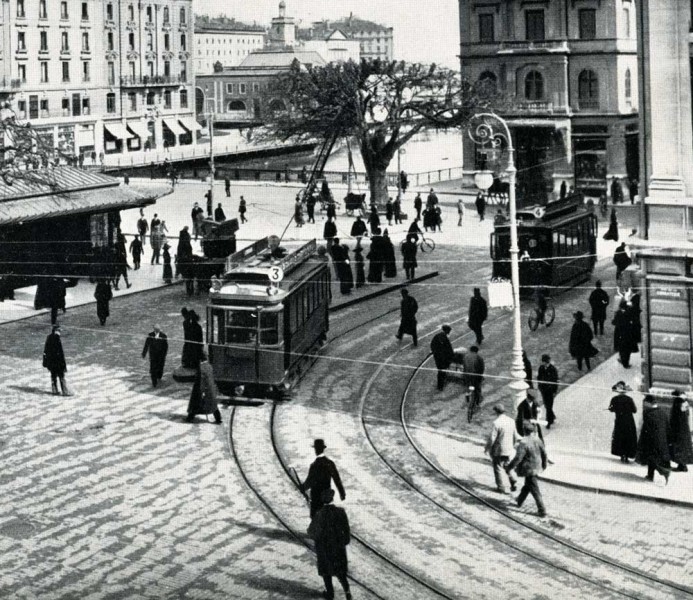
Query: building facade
point(375, 40)
point(567, 73)
point(100, 76)
point(225, 45)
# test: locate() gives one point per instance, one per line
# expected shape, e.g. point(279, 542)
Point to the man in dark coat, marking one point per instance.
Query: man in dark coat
point(389, 260)
point(376, 258)
point(480, 204)
point(360, 269)
point(478, 312)
point(329, 233)
point(136, 250)
point(653, 445)
point(443, 353)
point(624, 334)
point(54, 361)
point(528, 411)
point(397, 209)
point(474, 367)
point(622, 260)
point(564, 189)
point(389, 211)
point(219, 215)
point(624, 438)
point(530, 459)
point(418, 204)
point(142, 227)
point(528, 369)
point(599, 300)
point(103, 295)
point(310, 208)
point(616, 191)
point(227, 187)
point(358, 230)
point(320, 475)
point(403, 182)
point(330, 530)
point(547, 382)
point(374, 220)
point(408, 309)
point(197, 214)
point(580, 345)
point(409, 250)
point(157, 347)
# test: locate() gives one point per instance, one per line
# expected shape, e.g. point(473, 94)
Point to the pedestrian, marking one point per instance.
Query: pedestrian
point(142, 227)
point(374, 219)
point(203, 396)
point(156, 345)
point(429, 218)
point(530, 459)
point(407, 324)
point(580, 345)
point(360, 269)
point(54, 361)
point(329, 233)
point(432, 199)
point(397, 209)
point(624, 439)
point(680, 440)
point(298, 213)
point(418, 203)
point(197, 216)
point(310, 208)
point(242, 210)
point(653, 444)
point(389, 260)
point(389, 211)
point(473, 367)
point(358, 230)
point(437, 218)
point(633, 189)
point(622, 260)
point(528, 410)
point(219, 215)
point(480, 204)
point(330, 531)
point(563, 190)
point(547, 382)
point(346, 281)
point(156, 221)
point(414, 230)
point(460, 212)
point(168, 271)
point(499, 218)
point(156, 240)
point(192, 334)
point(624, 334)
point(599, 300)
point(208, 202)
point(635, 311)
point(320, 475)
point(612, 232)
point(500, 446)
point(50, 293)
point(443, 354)
point(403, 182)
point(527, 365)
point(136, 250)
point(616, 191)
point(409, 250)
point(376, 257)
point(336, 253)
point(331, 212)
point(227, 187)
point(103, 295)
point(478, 313)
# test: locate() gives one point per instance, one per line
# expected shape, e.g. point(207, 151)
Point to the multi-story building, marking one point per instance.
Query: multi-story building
point(567, 74)
point(375, 41)
point(100, 76)
point(225, 43)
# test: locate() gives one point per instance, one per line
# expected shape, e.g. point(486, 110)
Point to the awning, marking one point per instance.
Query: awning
point(176, 129)
point(140, 128)
point(118, 130)
point(189, 123)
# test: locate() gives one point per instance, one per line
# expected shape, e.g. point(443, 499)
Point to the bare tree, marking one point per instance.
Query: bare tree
point(380, 104)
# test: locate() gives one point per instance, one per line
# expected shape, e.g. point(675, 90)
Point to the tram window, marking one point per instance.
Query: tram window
point(269, 328)
point(241, 327)
point(216, 327)
point(556, 244)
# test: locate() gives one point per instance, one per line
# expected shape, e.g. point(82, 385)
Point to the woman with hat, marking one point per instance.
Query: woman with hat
point(625, 337)
point(680, 444)
point(168, 271)
point(580, 346)
point(203, 397)
point(624, 439)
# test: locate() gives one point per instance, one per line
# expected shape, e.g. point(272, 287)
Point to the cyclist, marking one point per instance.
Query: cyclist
point(473, 367)
point(540, 302)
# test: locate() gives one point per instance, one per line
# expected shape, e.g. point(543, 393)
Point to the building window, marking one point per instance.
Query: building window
point(150, 68)
point(166, 18)
point(534, 86)
point(131, 41)
point(588, 23)
point(64, 15)
point(21, 72)
point(131, 12)
point(85, 106)
point(21, 41)
point(132, 69)
point(256, 87)
point(588, 89)
point(150, 42)
point(167, 98)
point(43, 41)
point(76, 105)
point(489, 81)
point(66, 70)
point(167, 68)
point(42, 10)
point(65, 104)
point(33, 107)
point(486, 33)
point(150, 98)
point(534, 25)
point(44, 107)
point(184, 98)
point(44, 72)
point(132, 101)
point(242, 88)
point(183, 71)
point(86, 71)
point(85, 11)
point(150, 17)
point(182, 16)
point(85, 42)
point(21, 109)
point(109, 40)
point(626, 22)
point(111, 73)
point(109, 11)
point(20, 8)
point(183, 42)
point(229, 88)
point(110, 102)
point(167, 42)
point(64, 42)
point(628, 87)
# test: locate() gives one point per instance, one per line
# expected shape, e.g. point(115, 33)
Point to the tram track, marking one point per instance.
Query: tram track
point(665, 588)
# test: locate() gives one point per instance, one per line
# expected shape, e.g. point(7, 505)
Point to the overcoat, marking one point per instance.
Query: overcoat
point(680, 446)
point(53, 355)
point(358, 228)
point(527, 412)
point(330, 530)
point(653, 445)
point(192, 347)
point(478, 311)
point(530, 457)
point(376, 257)
point(409, 250)
point(103, 295)
point(203, 397)
point(168, 271)
point(409, 307)
point(625, 336)
point(624, 439)
point(322, 471)
point(599, 300)
point(442, 350)
point(157, 349)
point(389, 210)
point(329, 231)
point(360, 268)
point(389, 261)
point(580, 344)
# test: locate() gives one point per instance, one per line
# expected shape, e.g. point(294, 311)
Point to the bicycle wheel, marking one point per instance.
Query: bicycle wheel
point(549, 315)
point(533, 319)
point(427, 245)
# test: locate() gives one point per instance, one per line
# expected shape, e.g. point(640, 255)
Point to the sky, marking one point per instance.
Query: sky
point(423, 32)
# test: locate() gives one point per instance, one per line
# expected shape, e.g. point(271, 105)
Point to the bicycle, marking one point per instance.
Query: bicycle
point(473, 397)
point(535, 317)
point(425, 244)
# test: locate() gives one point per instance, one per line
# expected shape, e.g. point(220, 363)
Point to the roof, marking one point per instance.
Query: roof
point(281, 59)
point(224, 23)
point(229, 30)
point(347, 25)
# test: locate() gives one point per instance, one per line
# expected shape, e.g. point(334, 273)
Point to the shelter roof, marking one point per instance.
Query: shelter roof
point(281, 59)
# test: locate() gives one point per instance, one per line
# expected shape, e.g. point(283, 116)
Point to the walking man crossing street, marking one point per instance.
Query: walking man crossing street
point(157, 348)
point(500, 446)
point(320, 475)
point(529, 461)
point(407, 324)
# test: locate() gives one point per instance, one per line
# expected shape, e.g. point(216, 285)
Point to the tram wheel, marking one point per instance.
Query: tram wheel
point(549, 315)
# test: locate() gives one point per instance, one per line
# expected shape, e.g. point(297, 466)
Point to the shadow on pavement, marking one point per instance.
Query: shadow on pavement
point(292, 589)
point(31, 389)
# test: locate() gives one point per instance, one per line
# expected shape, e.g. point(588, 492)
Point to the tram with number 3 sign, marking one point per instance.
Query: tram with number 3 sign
point(268, 316)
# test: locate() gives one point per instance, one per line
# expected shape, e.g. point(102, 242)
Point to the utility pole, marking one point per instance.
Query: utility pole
point(399, 171)
point(210, 192)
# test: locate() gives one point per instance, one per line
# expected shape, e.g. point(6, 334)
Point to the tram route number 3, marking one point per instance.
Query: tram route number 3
point(276, 274)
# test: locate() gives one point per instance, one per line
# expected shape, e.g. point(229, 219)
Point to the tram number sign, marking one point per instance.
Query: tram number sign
point(276, 274)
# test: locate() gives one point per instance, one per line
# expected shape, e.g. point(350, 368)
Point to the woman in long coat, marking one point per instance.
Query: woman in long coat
point(389, 260)
point(375, 257)
point(612, 232)
point(168, 271)
point(680, 445)
point(624, 439)
point(580, 345)
point(374, 220)
point(203, 397)
point(346, 279)
point(624, 334)
point(103, 295)
point(190, 355)
point(360, 269)
point(653, 444)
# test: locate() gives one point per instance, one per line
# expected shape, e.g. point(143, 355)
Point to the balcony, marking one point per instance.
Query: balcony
point(10, 84)
point(511, 47)
point(534, 108)
point(588, 104)
point(152, 80)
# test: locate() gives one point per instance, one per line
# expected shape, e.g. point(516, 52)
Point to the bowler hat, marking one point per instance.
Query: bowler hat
point(579, 314)
point(327, 495)
point(319, 444)
point(621, 386)
point(56, 327)
point(499, 409)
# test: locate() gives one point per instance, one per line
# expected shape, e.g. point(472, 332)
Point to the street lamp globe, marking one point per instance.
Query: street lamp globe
point(483, 180)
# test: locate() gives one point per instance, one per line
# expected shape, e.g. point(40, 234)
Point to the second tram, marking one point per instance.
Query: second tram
point(557, 242)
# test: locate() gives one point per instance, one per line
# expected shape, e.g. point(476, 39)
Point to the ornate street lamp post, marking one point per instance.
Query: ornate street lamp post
point(488, 130)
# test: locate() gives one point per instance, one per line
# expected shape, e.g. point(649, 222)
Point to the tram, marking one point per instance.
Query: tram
point(557, 242)
point(268, 316)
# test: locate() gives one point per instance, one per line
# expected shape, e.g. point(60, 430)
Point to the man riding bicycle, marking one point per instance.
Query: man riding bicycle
point(473, 368)
point(540, 302)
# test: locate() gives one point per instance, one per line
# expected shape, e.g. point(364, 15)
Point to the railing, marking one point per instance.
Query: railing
point(11, 84)
point(588, 104)
point(142, 80)
point(533, 45)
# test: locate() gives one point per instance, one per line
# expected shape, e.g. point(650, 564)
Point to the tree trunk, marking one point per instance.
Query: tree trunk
point(377, 183)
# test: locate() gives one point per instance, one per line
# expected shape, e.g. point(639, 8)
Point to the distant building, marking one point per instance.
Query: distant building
point(335, 47)
point(568, 71)
point(224, 41)
point(375, 41)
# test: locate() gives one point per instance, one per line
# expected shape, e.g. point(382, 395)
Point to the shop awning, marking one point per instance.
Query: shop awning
point(118, 130)
point(140, 128)
point(176, 129)
point(189, 123)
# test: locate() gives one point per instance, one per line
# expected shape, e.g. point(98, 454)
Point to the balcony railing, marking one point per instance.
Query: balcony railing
point(150, 80)
point(539, 45)
point(10, 84)
point(588, 104)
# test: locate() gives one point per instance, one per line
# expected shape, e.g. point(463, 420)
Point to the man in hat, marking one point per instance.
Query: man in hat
point(653, 444)
point(330, 530)
point(530, 459)
point(443, 354)
point(320, 475)
point(598, 300)
point(547, 382)
point(500, 446)
point(580, 346)
point(478, 312)
point(54, 360)
point(408, 309)
point(219, 215)
point(157, 347)
point(528, 411)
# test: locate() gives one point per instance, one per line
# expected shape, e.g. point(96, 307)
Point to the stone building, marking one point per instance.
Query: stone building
point(100, 76)
point(375, 40)
point(226, 42)
point(567, 73)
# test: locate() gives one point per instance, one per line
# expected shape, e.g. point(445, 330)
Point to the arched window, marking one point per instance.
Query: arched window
point(489, 80)
point(626, 22)
point(588, 89)
point(276, 105)
point(628, 86)
point(166, 15)
point(236, 105)
point(182, 16)
point(534, 86)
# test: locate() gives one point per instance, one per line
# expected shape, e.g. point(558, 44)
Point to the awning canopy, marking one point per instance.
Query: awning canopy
point(118, 130)
point(140, 128)
point(189, 123)
point(176, 129)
